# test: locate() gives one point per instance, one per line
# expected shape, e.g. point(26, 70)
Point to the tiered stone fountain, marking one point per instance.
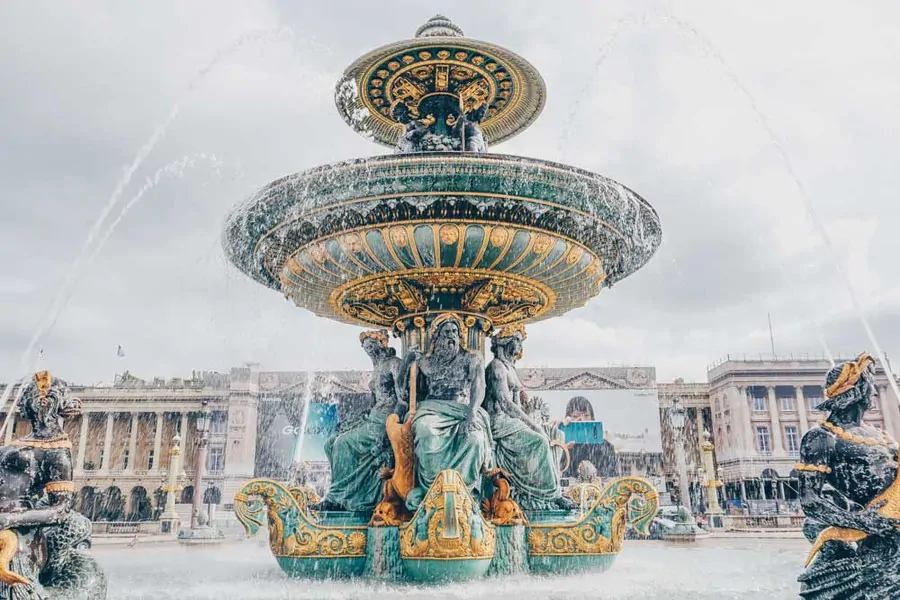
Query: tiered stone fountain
point(439, 240)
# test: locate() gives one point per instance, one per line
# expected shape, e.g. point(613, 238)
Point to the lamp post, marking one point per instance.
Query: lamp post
point(203, 421)
point(172, 482)
point(713, 509)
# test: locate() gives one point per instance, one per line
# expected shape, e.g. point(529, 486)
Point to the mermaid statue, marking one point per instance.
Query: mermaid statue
point(39, 531)
point(358, 455)
point(521, 447)
point(850, 494)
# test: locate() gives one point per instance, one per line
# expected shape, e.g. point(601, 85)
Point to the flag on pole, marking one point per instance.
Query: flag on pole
point(120, 353)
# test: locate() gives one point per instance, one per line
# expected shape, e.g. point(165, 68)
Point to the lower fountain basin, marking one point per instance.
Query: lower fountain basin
point(447, 538)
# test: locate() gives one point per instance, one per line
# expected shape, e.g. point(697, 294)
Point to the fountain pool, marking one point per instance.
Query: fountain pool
point(715, 568)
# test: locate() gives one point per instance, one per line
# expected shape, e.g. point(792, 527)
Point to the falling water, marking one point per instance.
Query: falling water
point(307, 398)
point(26, 364)
point(619, 27)
point(711, 49)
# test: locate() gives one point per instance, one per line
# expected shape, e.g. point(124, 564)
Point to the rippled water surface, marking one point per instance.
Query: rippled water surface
point(713, 569)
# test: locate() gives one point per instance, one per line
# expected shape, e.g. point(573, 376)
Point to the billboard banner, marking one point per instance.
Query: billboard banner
point(629, 418)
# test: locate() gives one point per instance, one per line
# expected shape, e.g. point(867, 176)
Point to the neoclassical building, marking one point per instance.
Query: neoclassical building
point(756, 411)
point(121, 442)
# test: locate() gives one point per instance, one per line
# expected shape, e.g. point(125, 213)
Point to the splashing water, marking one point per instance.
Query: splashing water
point(307, 398)
point(711, 49)
point(619, 27)
point(26, 364)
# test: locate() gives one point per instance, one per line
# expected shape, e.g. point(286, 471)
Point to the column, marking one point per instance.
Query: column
point(184, 431)
point(748, 444)
point(157, 443)
point(801, 410)
point(7, 440)
point(883, 401)
point(781, 489)
point(890, 405)
point(132, 443)
point(743, 492)
point(107, 442)
point(82, 442)
point(777, 444)
point(700, 430)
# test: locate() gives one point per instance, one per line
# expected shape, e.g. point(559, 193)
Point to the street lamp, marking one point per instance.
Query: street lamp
point(203, 422)
point(713, 483)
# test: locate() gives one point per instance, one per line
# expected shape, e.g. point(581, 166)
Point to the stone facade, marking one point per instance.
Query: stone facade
point(756, 410)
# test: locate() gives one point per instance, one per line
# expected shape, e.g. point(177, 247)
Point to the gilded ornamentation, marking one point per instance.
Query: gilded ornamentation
point(392, 511)
point(849, 375)
point(409, 296)
point(292, 530)
point(883, 440)
point(500, 508)
point(499, 235)
point(378, 335)
point(317, 252)
point(542, 243)
point(60, 442)
point(447, 525)
point(304, 495)
point(813, 468)
point(574, 255)
point(602, 529)
point(511, 330)
point(585, 494)
point(449, 234)
point(351, 243)
point(399, 237)
point(478, 298)
point(381, 300)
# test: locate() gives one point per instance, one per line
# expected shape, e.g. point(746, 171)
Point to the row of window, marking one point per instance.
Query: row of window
point(787, 403)
point(764, 438)
point(215, 460)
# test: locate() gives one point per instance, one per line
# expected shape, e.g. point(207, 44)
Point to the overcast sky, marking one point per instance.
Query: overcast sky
point(633, 95)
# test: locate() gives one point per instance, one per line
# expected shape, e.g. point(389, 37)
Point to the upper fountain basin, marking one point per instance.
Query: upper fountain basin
point(372, 241)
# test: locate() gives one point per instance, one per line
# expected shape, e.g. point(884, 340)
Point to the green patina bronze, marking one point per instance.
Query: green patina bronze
point(448, 476)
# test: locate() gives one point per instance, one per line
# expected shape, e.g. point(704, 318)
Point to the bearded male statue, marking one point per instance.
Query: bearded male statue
point(450, 429)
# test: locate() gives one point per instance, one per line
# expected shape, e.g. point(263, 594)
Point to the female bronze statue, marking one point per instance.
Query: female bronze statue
point(36, 492)
point(850, 494)
point(521, 447)
point(358, 455)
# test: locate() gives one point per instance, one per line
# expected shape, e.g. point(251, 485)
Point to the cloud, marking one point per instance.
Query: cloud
point(650, 106)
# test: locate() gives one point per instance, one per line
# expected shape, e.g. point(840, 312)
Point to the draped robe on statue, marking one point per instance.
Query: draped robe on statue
point(357, 455)
point(526, 456)
point(438, 442)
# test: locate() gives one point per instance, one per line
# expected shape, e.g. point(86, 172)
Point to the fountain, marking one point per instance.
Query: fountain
point(442, 244)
